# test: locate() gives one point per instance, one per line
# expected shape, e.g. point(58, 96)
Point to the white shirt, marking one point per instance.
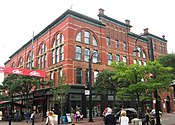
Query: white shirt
point(124, 120)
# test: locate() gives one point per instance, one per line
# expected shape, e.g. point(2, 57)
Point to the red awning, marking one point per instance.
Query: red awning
point(3, 102)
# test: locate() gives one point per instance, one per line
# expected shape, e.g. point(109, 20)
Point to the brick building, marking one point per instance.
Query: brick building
point(65, 46)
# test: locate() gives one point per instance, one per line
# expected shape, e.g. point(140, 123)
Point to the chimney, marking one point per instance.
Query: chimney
point(127, 21)
point(145, 31)
point(163, 36)
point(101, 11)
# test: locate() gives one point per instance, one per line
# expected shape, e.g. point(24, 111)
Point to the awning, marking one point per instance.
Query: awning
point(14, 103)
point(4, 102)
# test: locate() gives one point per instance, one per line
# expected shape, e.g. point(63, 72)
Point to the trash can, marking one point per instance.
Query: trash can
point(63, 119)
point(136, 121)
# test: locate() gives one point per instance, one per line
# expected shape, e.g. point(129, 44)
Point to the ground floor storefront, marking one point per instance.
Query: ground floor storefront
point(42, 100)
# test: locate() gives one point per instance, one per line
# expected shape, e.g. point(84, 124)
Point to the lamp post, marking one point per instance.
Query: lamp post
point(90, 86)
point(173, 85)
point(151, 58)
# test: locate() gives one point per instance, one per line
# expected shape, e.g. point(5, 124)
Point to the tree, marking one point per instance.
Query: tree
point(136, 80)
point(167, 60)
point(27, 84)
point(11, 86)
point(18, 84)
point(104, 84)
point(162, 76)
point(133, 81)
point(60, 92)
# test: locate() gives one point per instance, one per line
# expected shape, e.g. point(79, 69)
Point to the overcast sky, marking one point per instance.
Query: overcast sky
point(19, 18)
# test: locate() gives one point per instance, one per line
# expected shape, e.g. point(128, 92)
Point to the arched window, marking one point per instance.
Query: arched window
point(58, 48)
point(140, 52)
point(94, 41)
point(124, 46)
point(13, 64)
point(42, 56)
point(30, 60)
point(87, 37)
point(20, 64)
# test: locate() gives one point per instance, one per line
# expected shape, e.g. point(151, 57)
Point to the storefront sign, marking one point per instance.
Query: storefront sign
point(1, 69)
point(21, 71)
point(87, 92)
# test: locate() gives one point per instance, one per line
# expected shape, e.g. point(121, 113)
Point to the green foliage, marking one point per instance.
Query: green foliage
point(104, 82)
point(168, 61)
point(162, 75)
point(19, 84)
point(134, 79)
point(60, 92)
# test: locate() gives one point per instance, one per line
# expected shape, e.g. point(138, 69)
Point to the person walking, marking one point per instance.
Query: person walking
point(109, 118)
point(50, 118)
point(124, 120)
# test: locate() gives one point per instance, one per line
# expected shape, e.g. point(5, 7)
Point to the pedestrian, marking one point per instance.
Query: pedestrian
point(109, 118)
point(124, 120)
point(50, 119)
point(147, 118)
point(32, 116)
point(27, 116)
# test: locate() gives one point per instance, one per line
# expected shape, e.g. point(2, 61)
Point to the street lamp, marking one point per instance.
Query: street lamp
point(151, 58)
point(90, 86)
point(173, 85)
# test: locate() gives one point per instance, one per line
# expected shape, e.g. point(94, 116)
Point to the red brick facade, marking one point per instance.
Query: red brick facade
point(69, 25)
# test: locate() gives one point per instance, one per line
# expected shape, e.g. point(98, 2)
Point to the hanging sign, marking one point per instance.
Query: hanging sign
point(21, 71)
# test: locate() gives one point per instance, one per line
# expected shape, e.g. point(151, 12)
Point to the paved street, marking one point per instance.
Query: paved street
point(167, 119)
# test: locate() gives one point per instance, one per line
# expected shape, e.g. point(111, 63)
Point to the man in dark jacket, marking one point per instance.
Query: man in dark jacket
point(109, 118)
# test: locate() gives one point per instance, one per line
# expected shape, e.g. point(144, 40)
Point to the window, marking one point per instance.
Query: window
point(94, 41)
point(95, 56)
point(52, 75)
point(125, 59)
point(53, 56)
point(86, 37)
point(59, 38)
point(95, 75)
point(109, 58)
point(107, 41)
point(42, 56)
point(140, 52)
point(79, 37)
point(20, 62)
point(154, 46)
point(30, 60)
point(13, 64)
point(60, 72)
point(134, 61)
point(61, 52)
point(58, 48)
point(44, 60)
point(163, 49)
point(124, 46)
point(117, 58)
point(116, 44)
point(140, 62)
point(144, 55)
point(57, 55)
point(86, 54)
point(78, 75)
point(78, 53)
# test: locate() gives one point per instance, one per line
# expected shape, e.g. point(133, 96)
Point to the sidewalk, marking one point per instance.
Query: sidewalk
point(97, 121)
point(167, 119)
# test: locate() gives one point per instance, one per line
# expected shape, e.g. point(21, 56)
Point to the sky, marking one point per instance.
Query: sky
point(19, 18)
